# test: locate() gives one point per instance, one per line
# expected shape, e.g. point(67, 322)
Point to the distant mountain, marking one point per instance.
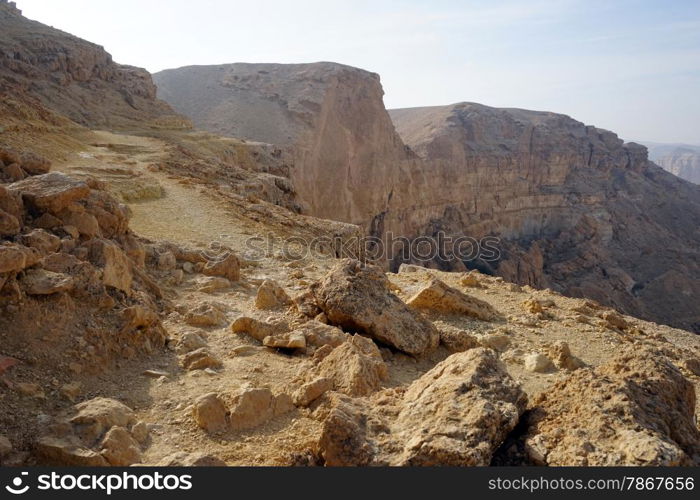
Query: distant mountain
point(682, 160)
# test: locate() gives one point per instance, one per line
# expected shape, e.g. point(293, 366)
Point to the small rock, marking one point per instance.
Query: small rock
point(495, 341)
point(199, 360)
point(140, 432)
point(310, 392)
point(271, 296)
point(205, 315)
point(42, 282)
point(209, 412)
point(538, 363)
point(228, 267)
point(291, 340)
point(190, 341)
point(213, 285)
point(119, 448)
point(437, 296)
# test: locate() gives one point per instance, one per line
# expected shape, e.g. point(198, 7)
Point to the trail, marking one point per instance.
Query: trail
point(163, 207)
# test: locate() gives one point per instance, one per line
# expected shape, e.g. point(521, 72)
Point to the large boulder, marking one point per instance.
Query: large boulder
point(638, 409)
point(437, 296)
point(457, 414)
point(51, 192)
point(356, 297)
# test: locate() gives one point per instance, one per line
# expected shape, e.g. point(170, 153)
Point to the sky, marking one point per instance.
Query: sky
point(630, 66)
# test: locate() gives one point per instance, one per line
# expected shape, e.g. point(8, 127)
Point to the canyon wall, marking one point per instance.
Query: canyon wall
point(574, 208)
point(679, 159)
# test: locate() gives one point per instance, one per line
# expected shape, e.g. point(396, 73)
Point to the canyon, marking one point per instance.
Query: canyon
point(681, 160)
point(139, 325)
point(575, 208)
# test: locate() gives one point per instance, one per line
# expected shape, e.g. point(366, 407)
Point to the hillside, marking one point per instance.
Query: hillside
point(168, 298)
point(565, 200)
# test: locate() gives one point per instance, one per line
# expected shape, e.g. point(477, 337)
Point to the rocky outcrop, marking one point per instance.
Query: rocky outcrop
point(330, 115)
point(570, 207)
point(681, 160)
point(73, 77)
point(638, 409)
point(457, 414)
point(356, 297)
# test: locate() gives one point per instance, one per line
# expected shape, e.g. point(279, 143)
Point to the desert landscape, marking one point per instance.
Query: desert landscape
point(194, 271)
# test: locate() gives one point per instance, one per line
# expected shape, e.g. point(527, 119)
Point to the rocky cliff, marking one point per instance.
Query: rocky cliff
point(72, 77)
point(330, 115)
point(574, 207)
point(680, 160)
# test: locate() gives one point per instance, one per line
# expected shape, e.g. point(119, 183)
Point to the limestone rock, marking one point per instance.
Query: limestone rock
point(190, 341)
point(228, 267)
point(560, 354)
point(457, 414)
point(356, 367)
point(356, 297)
point(34, 164)
point(119, 448)
point(311, 391)
point(638, 409)
point(538, 363)
point(209, 412)
point(259, 330)
point(212, 284)
point(98, 415)
point(50, 192)
point(437, 296)
point(9, 225)
point(318, 334)
point(205, 315)
point(271, 296)
point(42, 282)
point(290, 340)
point(43, 241)
point(67, 452)
point(201, 359)
point(460, 412)
point(457, 340)
point(13, 258)
point(252, 407)
point(116, 266)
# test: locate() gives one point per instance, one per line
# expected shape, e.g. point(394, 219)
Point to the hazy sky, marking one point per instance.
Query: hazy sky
point(632, 67)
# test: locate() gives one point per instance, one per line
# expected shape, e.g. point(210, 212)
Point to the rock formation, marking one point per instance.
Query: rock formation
point(73, 77)
point(573, 207)
point(681, 160)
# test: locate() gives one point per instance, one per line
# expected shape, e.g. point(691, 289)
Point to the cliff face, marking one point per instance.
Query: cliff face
point(574, 208)
point(330, 116)
point(683, 161)
point(71, 76)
